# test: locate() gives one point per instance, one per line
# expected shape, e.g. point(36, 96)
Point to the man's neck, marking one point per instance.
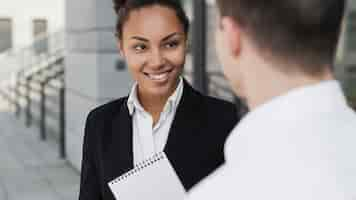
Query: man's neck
point(275, 83)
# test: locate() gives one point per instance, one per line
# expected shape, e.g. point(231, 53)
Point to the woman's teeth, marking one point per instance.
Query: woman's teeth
point(157, 77)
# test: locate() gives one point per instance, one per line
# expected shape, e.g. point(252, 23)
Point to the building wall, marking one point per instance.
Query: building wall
point(23, 12)
point(92, 77)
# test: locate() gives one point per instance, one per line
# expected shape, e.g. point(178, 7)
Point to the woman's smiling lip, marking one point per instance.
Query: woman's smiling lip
point(160, 76)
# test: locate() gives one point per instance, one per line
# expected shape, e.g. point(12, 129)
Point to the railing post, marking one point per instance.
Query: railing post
point(28, 102)
point(62, 141)
point(43, 112)
point(17, 96)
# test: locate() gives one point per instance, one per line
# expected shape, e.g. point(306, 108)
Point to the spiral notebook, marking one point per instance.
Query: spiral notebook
point(153, 179)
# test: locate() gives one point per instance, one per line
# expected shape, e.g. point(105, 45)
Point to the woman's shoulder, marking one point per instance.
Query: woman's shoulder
point(218, 102)
point(108, 109)
point(206, 100)
point(219, 105)
point(220, 114)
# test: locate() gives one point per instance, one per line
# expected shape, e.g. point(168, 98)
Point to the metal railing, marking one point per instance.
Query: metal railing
point(38, 90)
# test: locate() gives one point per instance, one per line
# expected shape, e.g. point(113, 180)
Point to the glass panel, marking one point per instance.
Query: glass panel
point(5, 34)
point(39, 31)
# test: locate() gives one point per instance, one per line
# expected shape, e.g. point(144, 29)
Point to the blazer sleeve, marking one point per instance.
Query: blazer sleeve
point(89, 181)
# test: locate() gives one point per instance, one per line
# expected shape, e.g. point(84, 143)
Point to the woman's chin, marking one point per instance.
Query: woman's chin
point(159, 87)
point(159, 90)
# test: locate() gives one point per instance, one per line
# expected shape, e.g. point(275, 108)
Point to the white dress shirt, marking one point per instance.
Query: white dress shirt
point(148, 140)
point(299, 146)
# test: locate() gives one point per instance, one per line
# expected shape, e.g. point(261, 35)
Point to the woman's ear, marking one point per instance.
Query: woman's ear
point(120, 47)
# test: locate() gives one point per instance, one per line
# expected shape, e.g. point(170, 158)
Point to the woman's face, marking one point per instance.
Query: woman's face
point(154, 45)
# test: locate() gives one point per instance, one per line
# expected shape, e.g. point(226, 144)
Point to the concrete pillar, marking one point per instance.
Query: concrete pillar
point(199, 46)
point(91, 75)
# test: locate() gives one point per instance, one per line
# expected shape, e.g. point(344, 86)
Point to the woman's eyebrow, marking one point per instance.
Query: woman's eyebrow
point(170, 36)
point(140, 38)
point(164, 39)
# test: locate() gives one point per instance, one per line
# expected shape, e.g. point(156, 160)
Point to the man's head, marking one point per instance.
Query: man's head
point(297, 36)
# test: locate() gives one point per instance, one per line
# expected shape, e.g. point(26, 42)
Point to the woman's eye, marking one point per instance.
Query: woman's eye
point(171, 45)
point(139, 47)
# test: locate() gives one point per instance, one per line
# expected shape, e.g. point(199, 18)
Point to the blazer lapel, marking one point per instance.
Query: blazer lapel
point(183, 135)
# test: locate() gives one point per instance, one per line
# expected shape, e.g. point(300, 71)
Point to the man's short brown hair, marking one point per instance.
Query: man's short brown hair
point(304, 32)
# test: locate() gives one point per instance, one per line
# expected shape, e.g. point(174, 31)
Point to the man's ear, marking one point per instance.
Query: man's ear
point(231, 31)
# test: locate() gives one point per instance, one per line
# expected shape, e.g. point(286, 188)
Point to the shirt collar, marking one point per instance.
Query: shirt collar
point(174, 99)
point(133, 103)
point(324, 97)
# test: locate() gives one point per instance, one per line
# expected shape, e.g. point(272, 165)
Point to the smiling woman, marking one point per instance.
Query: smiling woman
point(162, 112)
point(153, 43)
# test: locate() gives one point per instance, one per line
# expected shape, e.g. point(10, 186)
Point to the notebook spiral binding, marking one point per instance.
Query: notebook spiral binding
point(140, 166)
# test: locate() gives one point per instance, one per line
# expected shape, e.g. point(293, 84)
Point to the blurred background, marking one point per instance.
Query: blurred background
point(58, 60)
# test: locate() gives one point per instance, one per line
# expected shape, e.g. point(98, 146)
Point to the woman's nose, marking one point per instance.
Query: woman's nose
point(157, 59)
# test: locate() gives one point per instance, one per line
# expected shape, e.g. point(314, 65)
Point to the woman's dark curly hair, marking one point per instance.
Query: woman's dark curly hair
point(124, 7)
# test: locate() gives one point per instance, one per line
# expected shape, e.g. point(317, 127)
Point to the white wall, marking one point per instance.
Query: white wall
point(22, 13)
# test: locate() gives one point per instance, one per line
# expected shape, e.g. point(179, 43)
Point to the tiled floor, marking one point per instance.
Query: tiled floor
point(31, 169)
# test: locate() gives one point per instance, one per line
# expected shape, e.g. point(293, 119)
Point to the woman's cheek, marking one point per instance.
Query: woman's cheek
point(135, 62)
point(178, 58)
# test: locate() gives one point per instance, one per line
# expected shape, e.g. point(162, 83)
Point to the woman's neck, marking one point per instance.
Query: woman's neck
point(154, 104)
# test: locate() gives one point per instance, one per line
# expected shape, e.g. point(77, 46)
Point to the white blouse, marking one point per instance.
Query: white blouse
point(148, 140)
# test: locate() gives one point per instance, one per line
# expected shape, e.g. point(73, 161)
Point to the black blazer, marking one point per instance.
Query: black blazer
point(194, 147)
